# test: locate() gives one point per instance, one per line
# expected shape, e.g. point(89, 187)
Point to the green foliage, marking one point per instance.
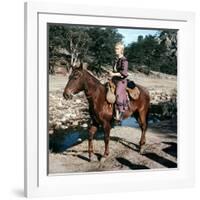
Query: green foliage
point(157, 52)
point(101, 49)
point(73, 39)
point(95, 45)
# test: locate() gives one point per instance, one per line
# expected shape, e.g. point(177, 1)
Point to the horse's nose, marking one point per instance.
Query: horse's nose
point(67, 96)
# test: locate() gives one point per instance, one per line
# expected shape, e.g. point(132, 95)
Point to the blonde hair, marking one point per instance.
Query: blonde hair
point(121, 45)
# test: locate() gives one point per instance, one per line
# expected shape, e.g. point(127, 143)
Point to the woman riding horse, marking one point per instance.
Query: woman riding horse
point(100, 110)
point(119, 75)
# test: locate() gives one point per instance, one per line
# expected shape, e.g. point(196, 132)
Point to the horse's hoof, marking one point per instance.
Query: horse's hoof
point(142, 150)
point(103, 159)
point(93, 158)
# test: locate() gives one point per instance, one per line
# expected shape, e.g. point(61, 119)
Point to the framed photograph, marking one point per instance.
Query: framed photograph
point(109, 99)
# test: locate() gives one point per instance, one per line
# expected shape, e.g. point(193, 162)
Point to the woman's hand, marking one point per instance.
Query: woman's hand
point(111, 73)
point(115, 74)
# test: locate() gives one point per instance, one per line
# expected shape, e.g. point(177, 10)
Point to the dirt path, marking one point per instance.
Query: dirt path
point(160, 151)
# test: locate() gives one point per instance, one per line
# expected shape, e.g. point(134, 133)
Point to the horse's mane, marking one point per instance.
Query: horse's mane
point(94, 78)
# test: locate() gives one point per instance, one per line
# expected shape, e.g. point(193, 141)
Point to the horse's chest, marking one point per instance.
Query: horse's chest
point(101, 112)
point(94, 112)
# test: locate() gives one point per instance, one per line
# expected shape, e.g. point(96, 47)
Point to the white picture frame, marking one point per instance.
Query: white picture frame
point(37, 181)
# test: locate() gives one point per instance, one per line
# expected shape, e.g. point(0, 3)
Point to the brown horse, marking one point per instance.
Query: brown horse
point(100, 110)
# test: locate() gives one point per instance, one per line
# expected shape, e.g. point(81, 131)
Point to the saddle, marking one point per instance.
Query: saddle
point(132, 91)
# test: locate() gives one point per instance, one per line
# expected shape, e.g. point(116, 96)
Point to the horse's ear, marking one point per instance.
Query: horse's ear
point(72, 66)
point(70, 70)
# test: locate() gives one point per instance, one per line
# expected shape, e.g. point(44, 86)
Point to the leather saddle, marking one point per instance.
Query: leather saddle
point(132, 91)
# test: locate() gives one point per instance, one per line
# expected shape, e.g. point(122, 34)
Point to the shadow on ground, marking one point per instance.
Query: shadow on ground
point(60, 142)
point(129, 164)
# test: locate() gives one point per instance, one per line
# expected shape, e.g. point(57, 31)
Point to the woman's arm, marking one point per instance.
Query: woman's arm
point(124, 70)
point(115, 74)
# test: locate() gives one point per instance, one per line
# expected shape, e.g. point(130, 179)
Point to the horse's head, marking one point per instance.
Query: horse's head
point(75, 83)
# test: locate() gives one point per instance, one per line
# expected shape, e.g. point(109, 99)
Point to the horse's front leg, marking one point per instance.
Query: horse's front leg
point(92, 131)
point(143, 125)
point(106, 127)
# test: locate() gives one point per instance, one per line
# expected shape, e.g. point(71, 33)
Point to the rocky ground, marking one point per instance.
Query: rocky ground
point(161, 148)
point(74, 112)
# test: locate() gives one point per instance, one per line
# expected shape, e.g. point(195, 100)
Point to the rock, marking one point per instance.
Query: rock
point(78, 101)
point(85, 125)
point(67, 115)
point(60, 104)
point(58, 125)
point(63, 120)
point(73, 115)
point(63, 127)
point(75, 123)
point(51, 131)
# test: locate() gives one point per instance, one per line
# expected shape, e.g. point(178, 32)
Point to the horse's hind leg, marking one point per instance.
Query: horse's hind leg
point(142, 119)
point(92, 131)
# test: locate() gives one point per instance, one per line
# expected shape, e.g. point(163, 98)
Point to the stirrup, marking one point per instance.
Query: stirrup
point(119, 116)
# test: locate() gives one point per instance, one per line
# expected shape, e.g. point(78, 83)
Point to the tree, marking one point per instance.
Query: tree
point(101, 49)
point(142, 51)
point(168, 39)
point(74, 39)
point(94, 45)
point(157, 52)
point(77, 43)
